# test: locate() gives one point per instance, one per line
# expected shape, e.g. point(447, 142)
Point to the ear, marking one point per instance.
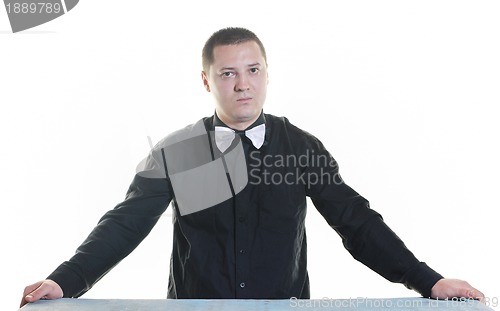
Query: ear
point(267, 73)
point(205, 81)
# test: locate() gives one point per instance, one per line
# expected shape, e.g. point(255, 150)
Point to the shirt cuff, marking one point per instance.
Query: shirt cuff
point(422, 278)
point(70, 282)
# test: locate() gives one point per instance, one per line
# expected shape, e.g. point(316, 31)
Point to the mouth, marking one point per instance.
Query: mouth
point(244, 100)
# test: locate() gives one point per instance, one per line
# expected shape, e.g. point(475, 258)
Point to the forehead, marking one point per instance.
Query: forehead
point(237, 55)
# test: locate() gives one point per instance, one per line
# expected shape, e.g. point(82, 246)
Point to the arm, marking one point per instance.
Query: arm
point(363, 231)
point(117, 233)
point(370, 241)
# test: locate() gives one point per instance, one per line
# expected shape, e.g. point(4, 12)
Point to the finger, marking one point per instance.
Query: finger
point(23, 302)
point(41, 291)
point(28, 290)
point(27, 299)
point(475, 294)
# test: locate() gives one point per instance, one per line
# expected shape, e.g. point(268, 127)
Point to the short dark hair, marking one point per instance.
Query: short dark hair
point(228, 36)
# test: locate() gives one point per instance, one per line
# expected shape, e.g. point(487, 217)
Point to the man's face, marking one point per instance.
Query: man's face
point(238, 81)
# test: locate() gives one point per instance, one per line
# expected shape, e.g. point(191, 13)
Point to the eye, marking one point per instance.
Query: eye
point(227, 74)
point(254, 70)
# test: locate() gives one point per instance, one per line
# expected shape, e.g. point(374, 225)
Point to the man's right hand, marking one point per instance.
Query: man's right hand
point(47, 289)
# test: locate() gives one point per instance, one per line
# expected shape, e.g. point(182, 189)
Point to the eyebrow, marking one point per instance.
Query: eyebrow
point(233, 68)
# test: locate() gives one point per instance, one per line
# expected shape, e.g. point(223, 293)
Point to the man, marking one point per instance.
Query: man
point(238, 183)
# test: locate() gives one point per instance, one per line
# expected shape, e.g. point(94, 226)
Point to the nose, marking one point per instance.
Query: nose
point(241, 84)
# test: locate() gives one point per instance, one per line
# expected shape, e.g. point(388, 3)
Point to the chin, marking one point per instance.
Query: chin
point(248, 113)
point(246, 117)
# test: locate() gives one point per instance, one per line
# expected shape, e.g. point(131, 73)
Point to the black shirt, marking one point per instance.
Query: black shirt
point(241, 235)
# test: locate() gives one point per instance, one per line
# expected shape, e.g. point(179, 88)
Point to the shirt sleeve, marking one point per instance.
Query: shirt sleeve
point(364, 233)
point(118, 232)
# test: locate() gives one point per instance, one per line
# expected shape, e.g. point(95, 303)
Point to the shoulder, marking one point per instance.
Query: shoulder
point(181, 142)
point(188, 132)
point(282, 127)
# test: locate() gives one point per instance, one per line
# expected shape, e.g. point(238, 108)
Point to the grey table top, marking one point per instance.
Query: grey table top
point(361, 304)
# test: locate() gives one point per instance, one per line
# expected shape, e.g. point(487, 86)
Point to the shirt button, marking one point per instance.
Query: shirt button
point(241, 219)
point(242, 284)
point(242, 251)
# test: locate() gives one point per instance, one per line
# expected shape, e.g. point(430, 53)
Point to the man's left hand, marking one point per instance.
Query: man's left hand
point(450, 288)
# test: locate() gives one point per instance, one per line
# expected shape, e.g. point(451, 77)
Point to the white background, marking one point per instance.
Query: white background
point(404, 94)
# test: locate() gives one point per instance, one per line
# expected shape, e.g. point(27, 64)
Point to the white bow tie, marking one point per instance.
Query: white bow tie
point(224, 136)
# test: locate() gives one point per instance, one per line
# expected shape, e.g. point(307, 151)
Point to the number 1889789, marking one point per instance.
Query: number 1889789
point(33, 8)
